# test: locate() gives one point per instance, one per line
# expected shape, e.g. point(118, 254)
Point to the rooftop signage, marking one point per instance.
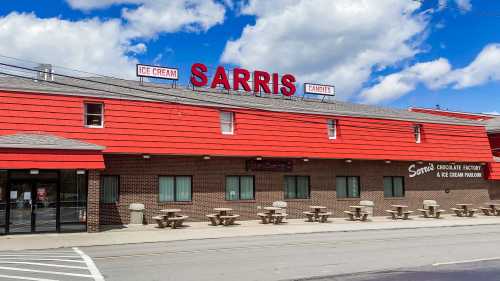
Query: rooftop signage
point(256, 81)
point(144, 70)
point(318, 89)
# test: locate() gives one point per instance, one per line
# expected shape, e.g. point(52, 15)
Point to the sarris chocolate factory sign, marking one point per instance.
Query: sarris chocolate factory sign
point(447, 170)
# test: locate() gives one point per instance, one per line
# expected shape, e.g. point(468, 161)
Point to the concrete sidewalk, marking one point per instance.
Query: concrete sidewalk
point(202, 230)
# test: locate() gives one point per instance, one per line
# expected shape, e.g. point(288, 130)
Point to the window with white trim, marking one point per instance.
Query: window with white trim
point(332, 129)
point(227, 122)
point(417, 131)
point(94, 115)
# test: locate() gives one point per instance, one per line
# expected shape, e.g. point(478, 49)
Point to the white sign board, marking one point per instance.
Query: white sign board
point(317, 89)
point(144, 70)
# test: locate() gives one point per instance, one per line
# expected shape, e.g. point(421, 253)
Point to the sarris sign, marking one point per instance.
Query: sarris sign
point(257, 81)
point(447, 170)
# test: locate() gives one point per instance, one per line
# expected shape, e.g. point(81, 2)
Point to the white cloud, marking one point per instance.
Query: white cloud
point(464, 5)
point(398, 84)
point(91, 45)
point(88, 5)
point(103, 46)
point(437, 74)
point(148, 18)
point(154, 17)
point(492, 113)
point(484, 68)
point(338, 42)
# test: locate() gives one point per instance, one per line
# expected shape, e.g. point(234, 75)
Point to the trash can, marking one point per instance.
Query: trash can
point(368, 206)
point(136, 213)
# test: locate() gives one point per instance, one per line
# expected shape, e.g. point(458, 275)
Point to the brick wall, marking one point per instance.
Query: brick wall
point(139, 184)
point(93, 198)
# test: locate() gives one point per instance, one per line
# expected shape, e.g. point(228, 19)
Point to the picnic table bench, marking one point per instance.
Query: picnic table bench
point(400, 212)
point(317, 214)
point(272, 215)
point(491, 210)
point(223, 217)
point(464, 211)
point(431, 211)
point(174, 222)
point(357, 214)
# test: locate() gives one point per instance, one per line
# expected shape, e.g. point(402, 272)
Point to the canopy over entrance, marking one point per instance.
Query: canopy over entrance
point(46, 151)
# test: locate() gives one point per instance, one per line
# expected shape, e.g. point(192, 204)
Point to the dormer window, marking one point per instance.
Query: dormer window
point(227, 122)
point(417, 131)
point(94, 115)
point(332, 129)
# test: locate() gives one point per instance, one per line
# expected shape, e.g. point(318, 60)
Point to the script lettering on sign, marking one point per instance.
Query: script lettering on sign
point(447, 170)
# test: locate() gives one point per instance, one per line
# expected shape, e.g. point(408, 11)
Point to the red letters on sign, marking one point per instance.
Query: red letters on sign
point(241, 78)
point(198, 71)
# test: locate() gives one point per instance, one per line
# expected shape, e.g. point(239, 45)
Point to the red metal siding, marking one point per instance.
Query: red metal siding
point(50, 159)
point(162, 128)
point(494, 171)
point(469, 116)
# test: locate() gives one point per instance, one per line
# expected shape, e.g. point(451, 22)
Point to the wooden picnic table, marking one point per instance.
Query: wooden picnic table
point(223, 211)
point(493, 206)
point(357, 210)
point(464, 206)
point(317, 210)
point(272, 210)
point(432, 208)
point(272, 216)
point(171, 212)
point(399, 209)
point(464, 210)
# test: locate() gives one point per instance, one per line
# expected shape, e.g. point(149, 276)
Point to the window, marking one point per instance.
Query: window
point(348, 187)
point(297, 187)
point(175, 188)
point(417, 130)
point(394, 187)
point(94, 115)
point(240, 188)
point(110, 189)
point(227, 122)
point(332, 129)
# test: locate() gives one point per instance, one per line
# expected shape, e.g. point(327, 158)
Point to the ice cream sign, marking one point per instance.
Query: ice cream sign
point(447, 170)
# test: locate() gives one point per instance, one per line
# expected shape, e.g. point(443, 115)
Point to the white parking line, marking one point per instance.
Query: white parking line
point(465, 261)
point(41, 259)
point(44, 264)
point(54, 256)
point(96, 274)
point(46, 272)
point(25, 278)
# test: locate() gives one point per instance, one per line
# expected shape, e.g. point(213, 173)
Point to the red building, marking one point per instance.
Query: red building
point(75, 153)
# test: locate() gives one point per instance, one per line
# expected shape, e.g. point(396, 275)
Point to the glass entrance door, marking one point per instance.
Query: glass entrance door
point(45, 206)
point(21, 207)
point(33, 206)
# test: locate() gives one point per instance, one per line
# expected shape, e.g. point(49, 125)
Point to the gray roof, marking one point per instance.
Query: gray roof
point(128, 89)
point(493, 125)
point(44, 141)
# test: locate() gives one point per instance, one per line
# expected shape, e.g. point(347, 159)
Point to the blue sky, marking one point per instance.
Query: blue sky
point(390, 52)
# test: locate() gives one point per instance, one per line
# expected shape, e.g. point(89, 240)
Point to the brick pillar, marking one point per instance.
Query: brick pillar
point(93, 209)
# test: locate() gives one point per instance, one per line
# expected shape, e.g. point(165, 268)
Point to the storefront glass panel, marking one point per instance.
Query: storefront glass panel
point(73, 204)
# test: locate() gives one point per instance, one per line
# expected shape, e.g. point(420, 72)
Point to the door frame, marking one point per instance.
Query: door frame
point(32, 182)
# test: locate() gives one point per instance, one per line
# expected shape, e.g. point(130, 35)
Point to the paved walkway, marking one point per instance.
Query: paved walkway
point(202, 230)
